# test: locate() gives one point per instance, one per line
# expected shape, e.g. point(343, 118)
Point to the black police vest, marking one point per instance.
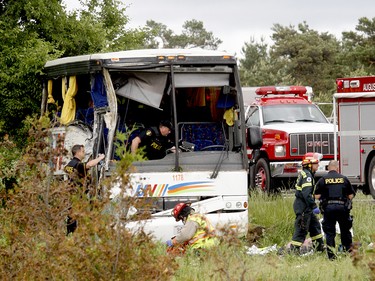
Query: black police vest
point(335, 185)
point(155, 144)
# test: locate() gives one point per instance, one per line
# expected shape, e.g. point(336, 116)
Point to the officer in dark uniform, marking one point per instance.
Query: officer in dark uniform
point(154, 140)
point(77, 170)
point(78, 176)
point(335, 194)
point(304, 206)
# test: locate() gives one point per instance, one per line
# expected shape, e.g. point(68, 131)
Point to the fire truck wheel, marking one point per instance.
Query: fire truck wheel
point(262, 175)
point(371, 177)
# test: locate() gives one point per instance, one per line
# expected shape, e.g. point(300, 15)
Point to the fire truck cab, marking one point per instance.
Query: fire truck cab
point(292, 125)
point(354, 104)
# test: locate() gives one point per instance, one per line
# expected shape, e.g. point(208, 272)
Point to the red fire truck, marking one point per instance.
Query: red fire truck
point(292, 125)
point(354, 103)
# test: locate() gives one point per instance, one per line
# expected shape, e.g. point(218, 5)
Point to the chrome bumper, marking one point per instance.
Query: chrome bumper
point(291, 169)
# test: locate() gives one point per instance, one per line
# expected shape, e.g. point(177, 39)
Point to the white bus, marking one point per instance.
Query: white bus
point(197, 90)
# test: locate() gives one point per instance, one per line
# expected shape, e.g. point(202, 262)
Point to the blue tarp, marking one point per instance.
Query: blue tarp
point(98, 92)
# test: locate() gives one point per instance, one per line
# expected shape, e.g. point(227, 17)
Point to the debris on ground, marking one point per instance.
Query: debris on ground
point(254, 250)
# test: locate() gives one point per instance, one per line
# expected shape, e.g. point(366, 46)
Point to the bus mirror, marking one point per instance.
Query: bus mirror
point(237, 134)
point(254, 137)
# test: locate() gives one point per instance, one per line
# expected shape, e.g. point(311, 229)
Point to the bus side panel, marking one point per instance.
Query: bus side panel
point(224, 200)
point(164, 228)
point(190, 184)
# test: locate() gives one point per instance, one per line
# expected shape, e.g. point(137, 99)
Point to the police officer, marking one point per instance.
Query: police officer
point(335, 194)
point(305, 207)
point(76, 169)
point(154, 140)
point(77, 172)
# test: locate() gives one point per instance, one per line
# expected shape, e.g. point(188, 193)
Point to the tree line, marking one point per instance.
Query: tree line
point(35, 31)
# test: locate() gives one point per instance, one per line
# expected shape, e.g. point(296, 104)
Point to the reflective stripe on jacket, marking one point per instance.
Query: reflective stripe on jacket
point(204, 237)
point(304, 201)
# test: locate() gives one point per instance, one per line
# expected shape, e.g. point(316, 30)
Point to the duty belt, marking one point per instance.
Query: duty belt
point(335, 202)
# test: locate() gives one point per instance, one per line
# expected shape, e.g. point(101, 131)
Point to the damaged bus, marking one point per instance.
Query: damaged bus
point(197, 90)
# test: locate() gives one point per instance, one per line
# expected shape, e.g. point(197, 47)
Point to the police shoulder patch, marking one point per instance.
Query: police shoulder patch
point(69, 169)
point(148, 133)
point(308, 179)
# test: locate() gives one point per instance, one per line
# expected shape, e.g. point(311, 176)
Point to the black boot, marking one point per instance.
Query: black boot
point(319, 245)
point(294, 249)
point(331, 254)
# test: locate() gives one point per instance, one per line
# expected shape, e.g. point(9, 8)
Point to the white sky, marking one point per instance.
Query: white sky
point(237, 21)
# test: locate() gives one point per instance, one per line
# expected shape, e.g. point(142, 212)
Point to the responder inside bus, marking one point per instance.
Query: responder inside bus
point(154, 140)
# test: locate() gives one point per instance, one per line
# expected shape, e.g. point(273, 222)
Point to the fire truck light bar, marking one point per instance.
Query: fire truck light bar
point(281, 90)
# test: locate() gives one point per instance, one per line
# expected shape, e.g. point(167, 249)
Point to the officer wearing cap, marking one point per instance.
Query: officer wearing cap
point(305, 207)
point(335, 194)
point(154, 140)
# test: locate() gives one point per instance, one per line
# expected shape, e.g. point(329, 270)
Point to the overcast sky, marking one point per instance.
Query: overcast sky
point(236, 21)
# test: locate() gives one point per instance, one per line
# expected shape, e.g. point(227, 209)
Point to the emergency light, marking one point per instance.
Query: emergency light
point(281, 90)
point(340, 84)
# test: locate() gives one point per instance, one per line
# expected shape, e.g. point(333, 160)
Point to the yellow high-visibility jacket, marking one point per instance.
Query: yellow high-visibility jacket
point(204, 237)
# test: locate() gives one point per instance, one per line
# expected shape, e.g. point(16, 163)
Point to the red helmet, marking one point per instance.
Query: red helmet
point(311, 158)
point(177, 210)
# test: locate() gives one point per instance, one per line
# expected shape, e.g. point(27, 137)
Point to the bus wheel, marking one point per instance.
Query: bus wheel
point(371, 177)
point(262, 175)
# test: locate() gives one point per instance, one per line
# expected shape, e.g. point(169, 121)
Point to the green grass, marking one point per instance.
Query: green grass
point(275, 215)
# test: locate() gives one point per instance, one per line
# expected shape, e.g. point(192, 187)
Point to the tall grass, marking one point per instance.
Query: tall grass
point(275, 215)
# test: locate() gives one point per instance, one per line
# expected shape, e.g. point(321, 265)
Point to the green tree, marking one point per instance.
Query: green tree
point(159, 35)
point(358, 56)
point(193, 34)
point(22, 56)
point(105, 22)
point(34, 31)
point(297, 56)
point(305, 55)
point(256, 66)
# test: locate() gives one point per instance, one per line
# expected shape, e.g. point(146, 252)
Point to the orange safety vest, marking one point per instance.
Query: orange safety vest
point(204, 237)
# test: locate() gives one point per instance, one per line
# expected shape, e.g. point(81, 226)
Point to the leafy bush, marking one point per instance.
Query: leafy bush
point(33, 241)
point(9, 155)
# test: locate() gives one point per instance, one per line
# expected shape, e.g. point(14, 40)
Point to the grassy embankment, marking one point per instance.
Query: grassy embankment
point(230, 262)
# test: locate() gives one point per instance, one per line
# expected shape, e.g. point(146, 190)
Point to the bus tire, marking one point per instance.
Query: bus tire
point(371, 177)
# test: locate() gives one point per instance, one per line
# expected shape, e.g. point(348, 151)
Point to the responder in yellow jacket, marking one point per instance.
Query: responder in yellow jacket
point(197, 232)
point(305, 207)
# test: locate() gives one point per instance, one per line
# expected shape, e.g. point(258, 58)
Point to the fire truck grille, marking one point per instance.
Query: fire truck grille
point(314, 142)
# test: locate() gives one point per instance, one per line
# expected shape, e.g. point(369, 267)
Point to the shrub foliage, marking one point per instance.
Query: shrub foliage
point(33, 240)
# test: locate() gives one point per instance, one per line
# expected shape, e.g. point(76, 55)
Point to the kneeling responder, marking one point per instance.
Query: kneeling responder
point(335, 194)
point(197, 232)
point(305, 207)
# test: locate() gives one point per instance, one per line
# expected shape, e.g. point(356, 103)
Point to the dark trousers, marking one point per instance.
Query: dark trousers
point(337, 213)
point(305, 223)
point(71, 225)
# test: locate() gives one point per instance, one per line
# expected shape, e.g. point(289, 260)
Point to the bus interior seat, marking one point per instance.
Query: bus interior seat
point(203, 134)
point(85, 115)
